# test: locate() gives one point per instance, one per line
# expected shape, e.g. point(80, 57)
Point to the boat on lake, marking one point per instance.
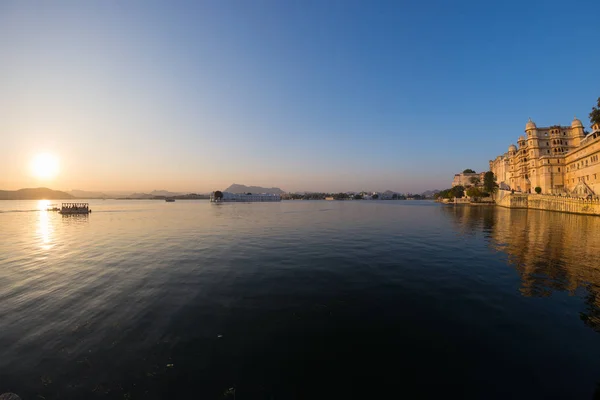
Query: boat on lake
point(75, 208)
point(169, 200)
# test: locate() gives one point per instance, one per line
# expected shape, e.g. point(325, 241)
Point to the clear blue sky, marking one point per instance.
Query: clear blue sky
point(304, 95)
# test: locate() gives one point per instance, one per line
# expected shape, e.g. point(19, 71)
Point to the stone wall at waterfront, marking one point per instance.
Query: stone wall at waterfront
point(575, 205)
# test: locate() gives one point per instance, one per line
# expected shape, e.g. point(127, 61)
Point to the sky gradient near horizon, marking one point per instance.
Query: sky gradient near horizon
point(306, 96)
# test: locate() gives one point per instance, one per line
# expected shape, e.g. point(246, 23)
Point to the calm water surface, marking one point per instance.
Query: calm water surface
point(298, 300)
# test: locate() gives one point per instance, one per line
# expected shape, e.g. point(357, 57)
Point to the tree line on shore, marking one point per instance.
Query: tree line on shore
point(475, 190)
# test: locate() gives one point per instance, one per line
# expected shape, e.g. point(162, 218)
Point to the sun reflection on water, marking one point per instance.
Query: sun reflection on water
point(44, 229)
point(43, 205)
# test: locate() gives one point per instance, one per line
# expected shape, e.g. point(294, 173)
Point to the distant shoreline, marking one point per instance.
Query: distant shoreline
point(104, 198)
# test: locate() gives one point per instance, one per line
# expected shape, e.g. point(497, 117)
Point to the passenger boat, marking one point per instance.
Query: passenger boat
point(169, 200)
point(75, 208)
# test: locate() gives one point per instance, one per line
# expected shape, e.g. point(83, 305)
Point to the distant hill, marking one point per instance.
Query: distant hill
point(139, 196)
point(165, 193)
point(84, 194)
point(34, 194)
point(235, 188)
point(430, 193)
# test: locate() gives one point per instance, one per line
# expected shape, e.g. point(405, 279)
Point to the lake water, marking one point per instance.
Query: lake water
point(298, 300)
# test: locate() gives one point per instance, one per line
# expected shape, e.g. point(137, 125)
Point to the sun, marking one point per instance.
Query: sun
point(44, 166)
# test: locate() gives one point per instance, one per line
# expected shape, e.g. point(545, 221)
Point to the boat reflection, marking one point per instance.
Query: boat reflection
point(75, 218)
point(551, 252)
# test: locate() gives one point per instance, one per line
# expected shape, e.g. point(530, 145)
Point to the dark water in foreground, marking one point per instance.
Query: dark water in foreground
point(298, 300)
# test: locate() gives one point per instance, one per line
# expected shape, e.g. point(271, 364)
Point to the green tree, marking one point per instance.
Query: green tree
point(474, 193)
point(595, 114)
point(489, 183)
point(538, 189)
point(457, 191)
point(375, 196)
point(358, 197)
point(469, 171)
point(474, 180)
point(395, 196)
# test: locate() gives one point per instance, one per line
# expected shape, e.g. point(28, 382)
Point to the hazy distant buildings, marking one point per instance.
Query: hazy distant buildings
point(558, 159)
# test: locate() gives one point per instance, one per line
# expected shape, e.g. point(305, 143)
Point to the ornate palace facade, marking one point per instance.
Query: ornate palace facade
point(558, 159)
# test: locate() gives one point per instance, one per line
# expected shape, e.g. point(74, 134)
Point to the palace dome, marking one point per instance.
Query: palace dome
point(522, 138)
point(512, 147)
point(530, 125)
point(576, 123)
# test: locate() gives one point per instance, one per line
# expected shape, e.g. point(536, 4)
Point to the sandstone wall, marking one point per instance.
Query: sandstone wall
point(548, 202)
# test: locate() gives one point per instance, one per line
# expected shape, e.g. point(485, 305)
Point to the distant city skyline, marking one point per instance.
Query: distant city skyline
point(312, 96)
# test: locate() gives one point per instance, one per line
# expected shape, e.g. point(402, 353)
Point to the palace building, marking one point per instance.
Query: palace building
point(559, 159)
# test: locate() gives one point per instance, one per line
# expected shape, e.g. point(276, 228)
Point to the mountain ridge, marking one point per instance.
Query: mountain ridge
point(40, 193)
point(237, 188)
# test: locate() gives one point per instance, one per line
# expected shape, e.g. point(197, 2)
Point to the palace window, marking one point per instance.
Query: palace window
point(548, 151)
point(558, 169)
point(587, 177)
point(594, 176)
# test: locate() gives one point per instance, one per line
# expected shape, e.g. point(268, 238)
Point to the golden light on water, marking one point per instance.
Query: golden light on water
point(45, 166)
point(44, 229)
point(43, 205)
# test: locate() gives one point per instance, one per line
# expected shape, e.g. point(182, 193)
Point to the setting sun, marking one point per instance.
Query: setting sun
point(44, 166)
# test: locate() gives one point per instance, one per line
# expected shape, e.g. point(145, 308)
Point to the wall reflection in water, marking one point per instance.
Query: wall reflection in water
point(550, 251)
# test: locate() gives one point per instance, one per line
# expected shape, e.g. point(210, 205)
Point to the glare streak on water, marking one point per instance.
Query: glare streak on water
point(305, 295)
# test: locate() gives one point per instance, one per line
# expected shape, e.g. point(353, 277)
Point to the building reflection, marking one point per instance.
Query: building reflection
point(550, 251)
